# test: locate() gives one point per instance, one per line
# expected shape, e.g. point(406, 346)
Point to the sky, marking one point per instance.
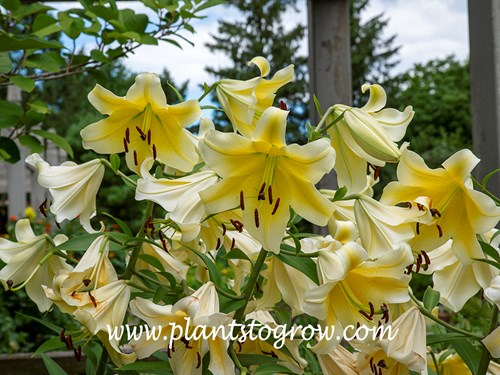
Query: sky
point(425, 29)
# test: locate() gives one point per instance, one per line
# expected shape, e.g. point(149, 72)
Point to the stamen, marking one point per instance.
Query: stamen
point(86, 282)
point(439, 230)
point(242, 201)
point(78, 353)
point(283, 105)
point(418, 263)
point(372, 310)
point(385, 311)
point(276, 205)
point(186, 342)
point(365, 314)
point(73, 293)
point(371, 365)
point(407, 204)
point(418, 228)
point(69, 342)
point(135, 158)
point(169, 355)
point(409, 269)
point(127, 135)
point(233, 242)
point(198, 356)
point(270, 194)
point(154, 152)
point(62, 337)
point(376, 173)
point(43, 207)
point(261, 196)
point(10, 283)
point(149, 137)
point(218, 244)
point(92, 298)
point(368, 165)
point(382, 364)
point(239, 346)
point(142, 134)
point(237, 225)
point(420, 207)
point(223, 229)
point(434, 212)
point(256, 217)
point(426, 257)
point(125, 145)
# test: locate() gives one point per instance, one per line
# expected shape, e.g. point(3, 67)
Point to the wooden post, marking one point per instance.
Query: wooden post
point(484, 35)
point(329, 62)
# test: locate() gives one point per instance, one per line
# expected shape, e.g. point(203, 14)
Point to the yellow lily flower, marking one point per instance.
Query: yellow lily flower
point(142, 125)
point(459, 211)
point(264, 177)
point(245, 101)
point(366, 134)
point(492, 343)
point(30, 263)
point(339, 361)
point(451, 365)
point(356, 289)
point(74, 188)
point(191, 313)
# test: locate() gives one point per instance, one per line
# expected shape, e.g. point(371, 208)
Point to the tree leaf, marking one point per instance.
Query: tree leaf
point(5, 62)
point(22, 42)
point(25, 84)
point(32, 143)
point(10, 151)
point(56, 139)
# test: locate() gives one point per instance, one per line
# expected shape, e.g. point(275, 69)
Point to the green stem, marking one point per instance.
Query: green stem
point(249, 288)
point(140, 287)
point(433, 356)
point(302, 255)
point(323, 119)
point(485, 354)
point(103, 361)
point(207, 92)
point(485, 191)
point(141, 234)
point(118, 172)
point(239, 366)
point(222, 292)
point(424, 311)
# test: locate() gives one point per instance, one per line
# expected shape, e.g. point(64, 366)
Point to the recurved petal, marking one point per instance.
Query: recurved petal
point(105, 101)
point(186, 113)
point(271, 127)
point(262, 64)
point(461, 164)
point(481, 210)
point(147, 90)
point(394, 122)
point(24, 232)
point(308, 202)
point(377, 98)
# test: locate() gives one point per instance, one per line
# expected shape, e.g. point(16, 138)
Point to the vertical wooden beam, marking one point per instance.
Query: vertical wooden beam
point(16, 173)
point(484, 35)
point(329, 62)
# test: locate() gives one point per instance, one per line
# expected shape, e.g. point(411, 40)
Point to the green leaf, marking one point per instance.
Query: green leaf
point(469, 353)
point(490, 250)
point(5, 62)
point(52, 367)
point(115, 162)
point(490, 262)
point(147, 367)
point(32, 143)
point(49, 325)
point(56, 139)
point(443, 337)
point(209, 4)
point(123, 226)
point(28, 10)
point(160, 293)
point(303, 264)
point(48, 61)
point(177, 93)
point(488, 176)
point(9, 150)
point(25, 84)
point(22, 42)
point(236, 254)
point(318, 106)
point(340, 193)
point(149, 259)
point(431, 298)
point(79, 243)
point(255, 359)
point(271, 369)
point(11, 113)
point(228, 305)
point(52, 344)
point(212, 268)
point(41, 22)
point(98, 56)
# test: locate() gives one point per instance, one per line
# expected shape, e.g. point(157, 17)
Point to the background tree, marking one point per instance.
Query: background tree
point(260, 31)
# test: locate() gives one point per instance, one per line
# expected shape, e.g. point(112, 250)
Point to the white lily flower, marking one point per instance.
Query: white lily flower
point(73, 187)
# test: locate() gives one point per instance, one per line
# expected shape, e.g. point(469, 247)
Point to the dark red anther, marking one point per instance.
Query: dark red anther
point(135, 158)
point(256, 217)
point(198, 356)
point(283, 105)
point(223, 229)
point(368, 165)
point(154, 152)
point(127, 135)
point(261, 196)
point(10, 283)
point(57, 225)
point(409, 269)
point(92, 298)
point(418, 263)
point(434, 212)
point(365, 314)
point(407, 204)
point(125, 145)
point(238, 225)
point(233, 242)
point(276, 205)
point(270, 194)
point(372, 310)
point(149, 137)
point(426, 257)
point(62, 337)
point(242, 201)
point(43, 207)
point(186, 342)
point(239, 346)
point(169, 355)
point(418, 228)
point(78, 353)
point(218, 244)
point(372, 367)
point(382, 364)
point(141, 133)
point(358, 325)
point(420, 207)
point(69, 342)
point(73, 293)
point(376, 173)
point(385, 311)
point(439, 230)
point(86, 282)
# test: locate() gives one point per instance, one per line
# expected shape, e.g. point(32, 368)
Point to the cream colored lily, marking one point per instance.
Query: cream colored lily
point(492, 343)
point(189, 314)
point(339, 361)
point(459, 211)
point(74, 188)
point(245, 101)
point(356, 289)
point(142, 125)
point(366, 134)
point(264, 177)
point(30, 262)
point(492, 293)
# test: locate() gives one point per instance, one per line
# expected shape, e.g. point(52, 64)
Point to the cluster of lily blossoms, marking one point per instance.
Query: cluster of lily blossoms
point(226, 246)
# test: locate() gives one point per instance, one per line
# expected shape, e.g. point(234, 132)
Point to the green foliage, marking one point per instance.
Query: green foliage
point(260, 31)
